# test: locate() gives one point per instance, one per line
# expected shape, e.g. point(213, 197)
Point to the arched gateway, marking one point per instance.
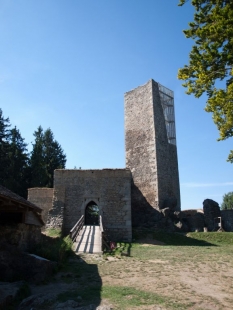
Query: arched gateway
point(91, 214)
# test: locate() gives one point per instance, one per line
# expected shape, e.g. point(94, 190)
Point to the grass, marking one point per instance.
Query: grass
point(217, 238)
point(122, 297)
point(195, 246)
point(54, 247)
point(192, 247)
point(143, 275)
point(53, 232)
point(189, 239)
point(125, 297)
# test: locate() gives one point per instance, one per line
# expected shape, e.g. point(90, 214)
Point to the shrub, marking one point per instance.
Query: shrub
point(55, 249)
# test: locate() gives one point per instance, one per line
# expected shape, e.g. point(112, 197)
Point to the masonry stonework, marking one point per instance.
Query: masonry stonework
point(227, 219)
point(110, 189)
point(41, 197)
point(149, 155)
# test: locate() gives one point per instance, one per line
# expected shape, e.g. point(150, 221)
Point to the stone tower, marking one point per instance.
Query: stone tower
point(151, 152)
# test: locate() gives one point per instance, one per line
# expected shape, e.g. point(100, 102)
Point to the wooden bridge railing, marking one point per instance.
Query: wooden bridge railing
point(77, 228)
point(104, 239)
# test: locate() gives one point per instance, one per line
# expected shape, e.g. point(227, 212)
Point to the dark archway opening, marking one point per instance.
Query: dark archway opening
point(92, 214)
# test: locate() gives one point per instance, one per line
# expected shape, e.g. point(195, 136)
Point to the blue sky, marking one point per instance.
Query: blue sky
point(67, 64)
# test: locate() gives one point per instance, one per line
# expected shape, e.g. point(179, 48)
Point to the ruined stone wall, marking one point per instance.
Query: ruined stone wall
point(149, 156)
point(108, 188)
point(21, 235)
point(41, 197)
point(211, 210)
point(227, 219)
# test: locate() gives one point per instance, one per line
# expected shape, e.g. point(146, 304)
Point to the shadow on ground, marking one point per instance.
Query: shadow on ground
point(76, 285)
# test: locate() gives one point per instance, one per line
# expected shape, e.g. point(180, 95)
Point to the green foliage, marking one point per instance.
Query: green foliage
point(230, 157)
point(38, 172)
point(122, 249)
point(4, 147)
point(227, 201)
point(55, 249)
point(93, 210)
point(53, 232)
point(47, 155)
point(14, 173)
point(211, 61)
point(20, 170)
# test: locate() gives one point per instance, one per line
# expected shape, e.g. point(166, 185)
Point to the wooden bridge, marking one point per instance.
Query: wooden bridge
point(88, 238)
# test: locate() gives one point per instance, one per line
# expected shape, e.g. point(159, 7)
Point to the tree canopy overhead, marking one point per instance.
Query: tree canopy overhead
point(210, 68)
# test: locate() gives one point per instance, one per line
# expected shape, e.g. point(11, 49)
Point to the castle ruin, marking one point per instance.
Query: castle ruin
point(131, 196)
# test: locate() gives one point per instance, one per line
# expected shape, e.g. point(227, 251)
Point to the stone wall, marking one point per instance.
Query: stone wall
point(23, 236)
point(211, 211)
point(108, 188)
point(42, 197)
point(227, 219)
point(149, 156)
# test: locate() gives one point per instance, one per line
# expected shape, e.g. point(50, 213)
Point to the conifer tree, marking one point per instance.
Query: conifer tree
point(37, 162)
point(18, 176)
point(53, 155)
point(47, 155)
point(4, 147)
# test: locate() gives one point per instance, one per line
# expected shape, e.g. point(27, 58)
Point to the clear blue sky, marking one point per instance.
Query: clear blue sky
point(67, 64)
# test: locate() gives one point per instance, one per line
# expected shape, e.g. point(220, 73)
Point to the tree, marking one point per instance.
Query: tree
point(13, 158)
point(227, 201)
point(37, 165)
point(210, 68)
point(47, 155)
point(4, 147)
point(17, 179)
point(53, 155)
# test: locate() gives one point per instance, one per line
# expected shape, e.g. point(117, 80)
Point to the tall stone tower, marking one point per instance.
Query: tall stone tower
point(151, 152)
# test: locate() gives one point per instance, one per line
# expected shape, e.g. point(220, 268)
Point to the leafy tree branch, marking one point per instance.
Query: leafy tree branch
point(211, 61)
